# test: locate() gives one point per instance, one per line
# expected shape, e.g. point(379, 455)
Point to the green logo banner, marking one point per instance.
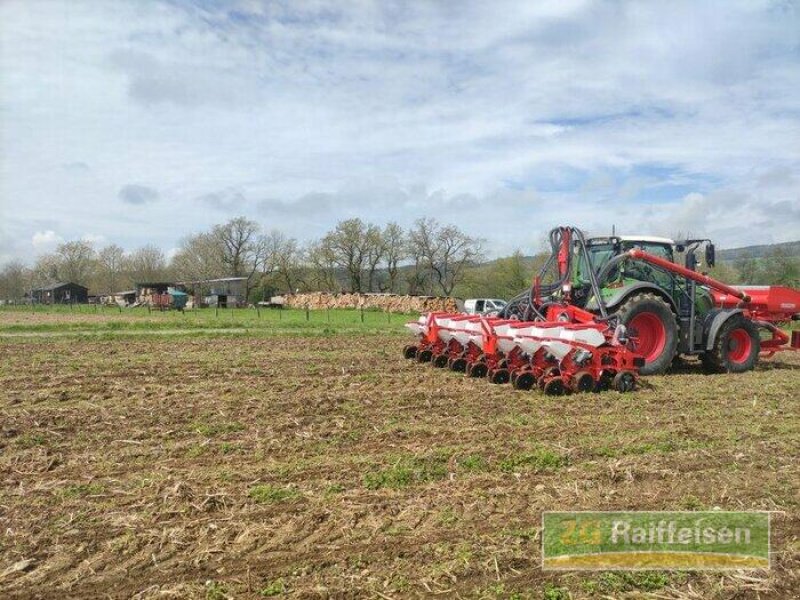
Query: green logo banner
point(655, 540)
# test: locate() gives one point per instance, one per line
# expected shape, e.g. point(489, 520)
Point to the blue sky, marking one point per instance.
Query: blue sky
point(142, 122)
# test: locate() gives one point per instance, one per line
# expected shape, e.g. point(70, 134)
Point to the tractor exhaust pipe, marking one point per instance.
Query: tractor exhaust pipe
point(688, 273)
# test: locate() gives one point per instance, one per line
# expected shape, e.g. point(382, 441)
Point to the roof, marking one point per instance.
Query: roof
point(155, 284)
point(221, 279)
point(646, 239)
point(60, 284)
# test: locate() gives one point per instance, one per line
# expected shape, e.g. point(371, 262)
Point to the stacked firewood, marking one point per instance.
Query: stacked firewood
point(387, 302)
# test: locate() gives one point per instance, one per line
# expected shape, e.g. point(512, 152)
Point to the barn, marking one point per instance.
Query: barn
point(61, 293)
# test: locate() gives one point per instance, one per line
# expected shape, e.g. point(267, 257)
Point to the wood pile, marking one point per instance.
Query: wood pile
point(386, 302)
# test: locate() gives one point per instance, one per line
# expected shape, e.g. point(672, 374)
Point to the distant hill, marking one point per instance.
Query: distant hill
point(787, 248)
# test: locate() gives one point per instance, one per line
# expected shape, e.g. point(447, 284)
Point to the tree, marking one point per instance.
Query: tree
point(395, 251)
point(243, 249)
point(322, 263)
point(199, 258)
point(14, 282)
point(282, 259)
point(781, 269)
point(147, 265)
point(75, 262)
point(509, 276)
point(747, 267)
point(349, 245)
point(110, 265)
point(375, 250)
point(446, 251)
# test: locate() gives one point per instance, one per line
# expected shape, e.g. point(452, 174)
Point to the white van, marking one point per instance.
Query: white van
point(481, 306)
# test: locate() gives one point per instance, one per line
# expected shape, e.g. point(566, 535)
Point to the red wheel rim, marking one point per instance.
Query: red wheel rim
point(739, 346)
point(648, 334)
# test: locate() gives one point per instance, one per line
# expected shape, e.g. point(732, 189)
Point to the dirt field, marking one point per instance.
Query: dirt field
point(325, 465)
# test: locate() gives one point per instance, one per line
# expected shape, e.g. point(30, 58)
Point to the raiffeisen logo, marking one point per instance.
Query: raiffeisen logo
point(663, 532)
point(655, 540)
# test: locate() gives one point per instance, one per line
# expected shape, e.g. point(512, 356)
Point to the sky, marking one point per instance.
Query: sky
point(143, 122)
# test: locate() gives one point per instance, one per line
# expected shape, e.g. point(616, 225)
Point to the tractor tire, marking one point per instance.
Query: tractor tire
point(653, 331)
point(409, 352)
point(736, 348)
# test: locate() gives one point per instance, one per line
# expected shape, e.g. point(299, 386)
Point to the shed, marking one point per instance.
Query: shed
point(224, 292)
point(61, 293)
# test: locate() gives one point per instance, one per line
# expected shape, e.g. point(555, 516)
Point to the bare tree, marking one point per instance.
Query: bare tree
point(376, 250)
point(349, 243)
point(395, 250)
point(446, 251)
point(239, 245)
point(282, 259)
point(199, 257)
point(110, 264)
point(243, 248)
point(321, 260)
point(75, 262)
point(14, 281)
point(147, 265)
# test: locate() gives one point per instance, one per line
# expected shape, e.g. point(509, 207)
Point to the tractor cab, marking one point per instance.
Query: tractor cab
point(601, 250)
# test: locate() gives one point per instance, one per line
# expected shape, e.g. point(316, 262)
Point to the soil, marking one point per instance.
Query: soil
point(239, 467)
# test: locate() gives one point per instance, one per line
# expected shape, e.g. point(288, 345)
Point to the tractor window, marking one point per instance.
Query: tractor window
point(479, 306)
point(599, 254)
point(644, 271)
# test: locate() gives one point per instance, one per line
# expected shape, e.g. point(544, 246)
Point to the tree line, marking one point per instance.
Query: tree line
point(428, 258)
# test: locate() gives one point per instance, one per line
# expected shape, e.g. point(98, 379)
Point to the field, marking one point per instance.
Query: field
point(246, 456)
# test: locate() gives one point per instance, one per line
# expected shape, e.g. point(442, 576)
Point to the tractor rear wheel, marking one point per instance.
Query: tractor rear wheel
point(735, 349)
point(652, 331)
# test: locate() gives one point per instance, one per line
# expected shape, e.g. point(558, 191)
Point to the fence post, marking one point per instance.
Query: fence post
point(216, 310)
point(328, 312)
point(361, 309)
point(308, 314)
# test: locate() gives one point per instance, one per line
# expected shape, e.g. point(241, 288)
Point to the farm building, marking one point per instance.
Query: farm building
point(60, 293)
point(146, 291)
point(225, 292)
point(123, 298)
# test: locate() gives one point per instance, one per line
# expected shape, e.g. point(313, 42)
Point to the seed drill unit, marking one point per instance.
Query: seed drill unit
point(615, 308)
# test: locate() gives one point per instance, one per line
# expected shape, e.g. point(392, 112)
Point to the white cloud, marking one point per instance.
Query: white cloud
point(96, 239)
point(45, 241)
point(505, 118)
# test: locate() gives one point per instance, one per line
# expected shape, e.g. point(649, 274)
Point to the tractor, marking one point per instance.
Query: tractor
point(605, 310)
point(667, 309)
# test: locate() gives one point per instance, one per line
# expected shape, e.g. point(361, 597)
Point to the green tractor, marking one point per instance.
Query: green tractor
point(666, 309)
